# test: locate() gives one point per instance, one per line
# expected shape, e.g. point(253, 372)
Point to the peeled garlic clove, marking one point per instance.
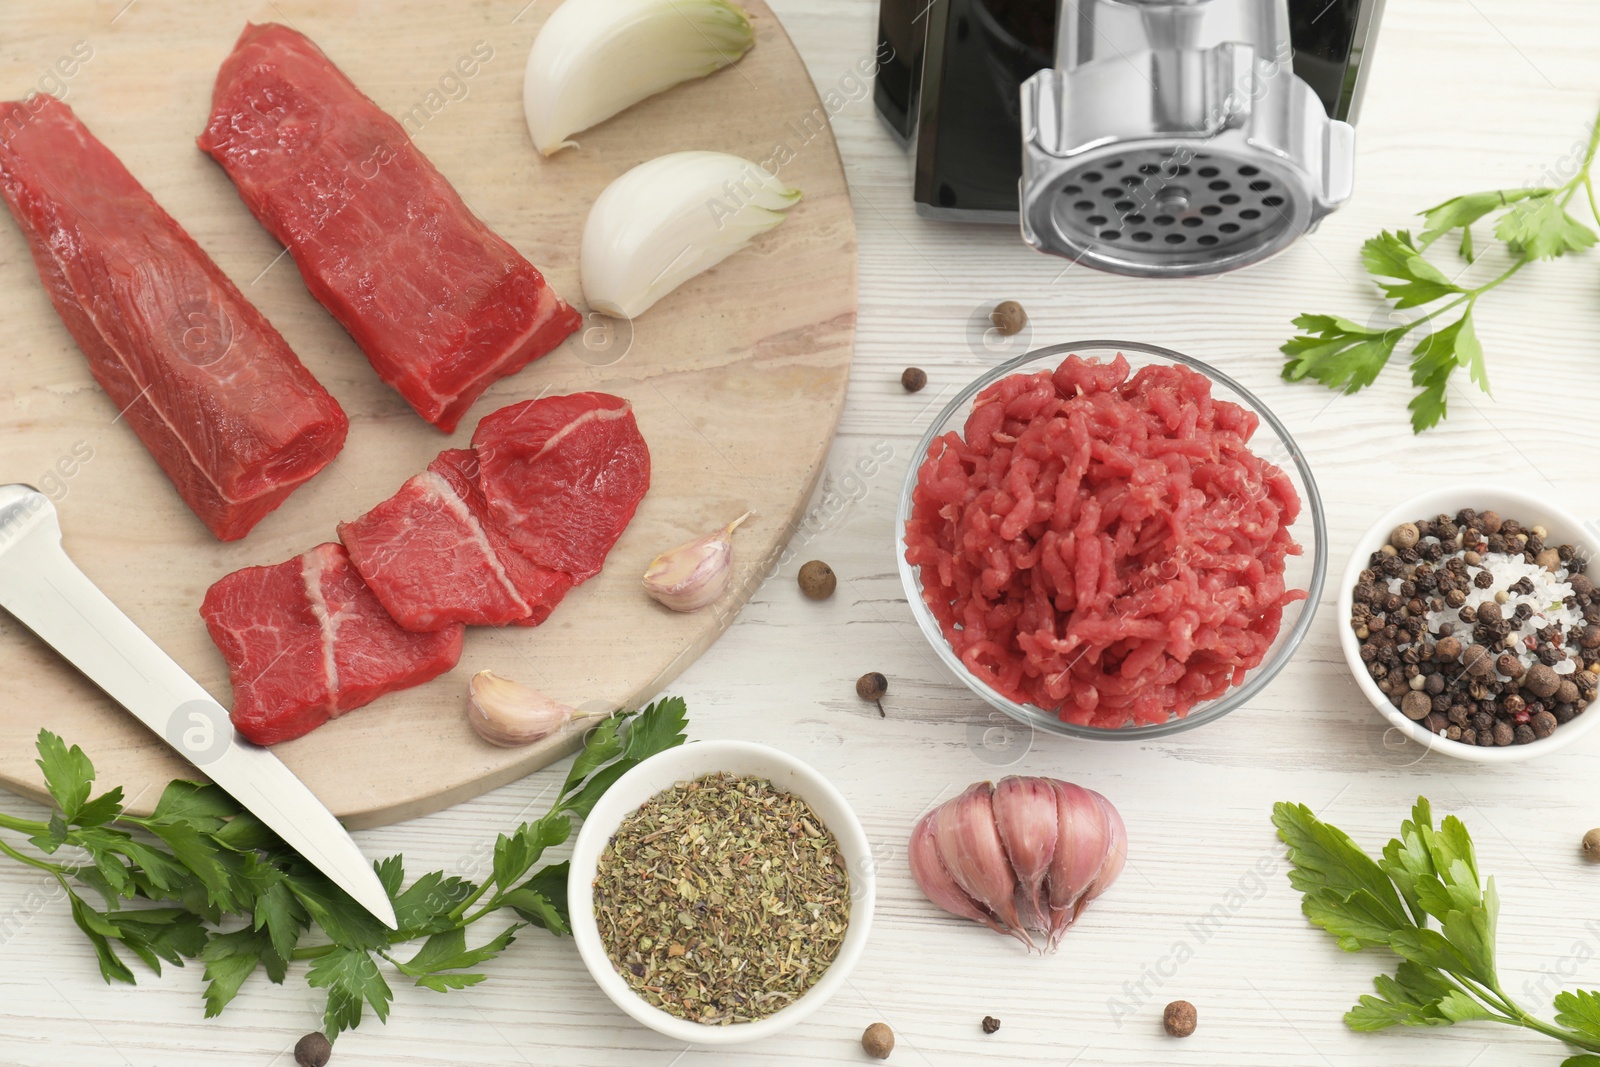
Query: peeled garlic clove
point(509, 714)
point(696, 573)
point(1025, 816)
point(934, 879)
point(970, 846)
point(594, 58)
point(670, 218)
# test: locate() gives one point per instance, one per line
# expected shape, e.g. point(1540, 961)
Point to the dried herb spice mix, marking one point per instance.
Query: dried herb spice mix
point(722, 900)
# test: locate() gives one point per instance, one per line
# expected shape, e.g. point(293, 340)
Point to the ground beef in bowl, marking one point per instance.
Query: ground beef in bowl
point(1104, 545)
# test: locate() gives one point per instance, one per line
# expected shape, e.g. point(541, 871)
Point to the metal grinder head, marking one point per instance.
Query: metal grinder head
point(1172, 138)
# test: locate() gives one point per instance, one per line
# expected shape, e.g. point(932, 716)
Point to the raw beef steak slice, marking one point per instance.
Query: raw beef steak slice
point(306, 641)
point(541, 587)
point(562, 476)
point(203, 379)
point(432, 557)
point(440, 303)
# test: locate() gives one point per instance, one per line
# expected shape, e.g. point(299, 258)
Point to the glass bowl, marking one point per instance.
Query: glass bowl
point(1272, 442)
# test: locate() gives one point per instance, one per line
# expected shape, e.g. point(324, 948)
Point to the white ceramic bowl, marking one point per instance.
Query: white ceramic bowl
point(1526, 508)
point(681, 765)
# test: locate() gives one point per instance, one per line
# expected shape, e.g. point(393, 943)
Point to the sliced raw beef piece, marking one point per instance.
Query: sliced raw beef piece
point(562, 476)
point(541, 587)
point(441, 304)
point(432, 557)
point(212, 390)
point(306, 641)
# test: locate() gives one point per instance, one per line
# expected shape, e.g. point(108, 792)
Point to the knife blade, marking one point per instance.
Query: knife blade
point(47, 593)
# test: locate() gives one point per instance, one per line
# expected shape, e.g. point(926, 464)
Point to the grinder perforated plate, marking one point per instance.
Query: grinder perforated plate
point(1142, 211)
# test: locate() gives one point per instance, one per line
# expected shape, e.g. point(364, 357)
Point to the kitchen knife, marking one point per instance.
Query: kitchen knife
point(47, 593)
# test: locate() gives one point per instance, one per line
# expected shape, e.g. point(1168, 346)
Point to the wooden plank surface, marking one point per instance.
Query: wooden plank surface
point(1465, 96)
point(736, 379)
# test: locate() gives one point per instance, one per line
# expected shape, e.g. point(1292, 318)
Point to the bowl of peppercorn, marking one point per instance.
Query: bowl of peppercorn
point(1470, 622)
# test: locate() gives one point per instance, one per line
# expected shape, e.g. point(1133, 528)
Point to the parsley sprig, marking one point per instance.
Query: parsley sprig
point(1533, 224)
point(1428, 874)
point(201, 878)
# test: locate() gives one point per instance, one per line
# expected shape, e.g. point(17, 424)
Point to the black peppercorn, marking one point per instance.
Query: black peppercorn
point(1543, 724)
point(1503, 734)
point(1488, 521)
point(1483, 579)
point(990, 1024)
point(1524, 734)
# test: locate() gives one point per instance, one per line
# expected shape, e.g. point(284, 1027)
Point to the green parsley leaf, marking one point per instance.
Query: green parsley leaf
point(1581, 1061)
point(341, 918)
point(351, 977)
point(391, 874)
point(1579, 1010)
point(542, 899)
point(1436, 358)
point(1540, 228)
point(156, 934)
point(281, 914)
point(448, 951)
point(425, 907)
point(68, 774)
point(660, 726)
point(1337, 352)
point(231, 958)
point(1411, 998)
point(601, 747)
point(1325, 862)
point(99, 931)
point(516, 853)
point(203, 807)
point(1393, 255)
point(1463, 211)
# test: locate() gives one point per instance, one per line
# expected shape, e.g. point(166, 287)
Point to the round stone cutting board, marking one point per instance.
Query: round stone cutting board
point(737, 378)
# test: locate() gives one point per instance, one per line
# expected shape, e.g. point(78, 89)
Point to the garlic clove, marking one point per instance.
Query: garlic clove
point(594, 58)
point(1025, 815)
point(970, 846)
point(695, 574)
point(933, 878)
point(670, 218)
point(510, 714)
point(1083, 871)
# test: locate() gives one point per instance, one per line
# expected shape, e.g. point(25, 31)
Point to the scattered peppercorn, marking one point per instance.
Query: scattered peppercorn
point(990, 1024)
point(1179, 1018)
point(1008, 317)
point(817, 580)
point(1591, 846)
point(873, 686)
point(912, 379)
point(878, 1040)
point(313, 1050)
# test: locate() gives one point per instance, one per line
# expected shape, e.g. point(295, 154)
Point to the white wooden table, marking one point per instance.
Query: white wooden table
point(1466, 94)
